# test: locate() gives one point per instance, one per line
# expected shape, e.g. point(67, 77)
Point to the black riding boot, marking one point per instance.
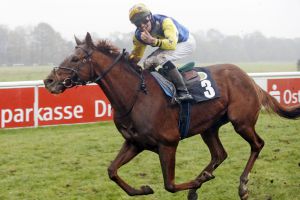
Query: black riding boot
point(176, 78)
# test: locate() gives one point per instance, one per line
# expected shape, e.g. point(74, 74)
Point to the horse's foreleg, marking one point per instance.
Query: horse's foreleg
point(127, 153)
point(218, 155)
point(167, 161)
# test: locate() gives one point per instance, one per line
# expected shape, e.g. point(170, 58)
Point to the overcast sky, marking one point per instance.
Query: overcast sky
point(278, 18)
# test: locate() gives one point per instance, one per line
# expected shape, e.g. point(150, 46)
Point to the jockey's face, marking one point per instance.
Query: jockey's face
point(144, 24)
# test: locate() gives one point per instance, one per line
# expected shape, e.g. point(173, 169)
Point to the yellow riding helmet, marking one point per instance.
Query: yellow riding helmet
point(138, 12)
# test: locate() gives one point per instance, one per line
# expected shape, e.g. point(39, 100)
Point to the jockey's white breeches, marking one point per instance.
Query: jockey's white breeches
point(160, 56)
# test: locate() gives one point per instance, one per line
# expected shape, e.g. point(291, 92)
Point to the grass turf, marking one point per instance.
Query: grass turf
point(70, 162)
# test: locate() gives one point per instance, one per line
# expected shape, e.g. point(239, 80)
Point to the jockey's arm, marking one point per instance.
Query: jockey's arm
point(137, 51)
point(171, 36)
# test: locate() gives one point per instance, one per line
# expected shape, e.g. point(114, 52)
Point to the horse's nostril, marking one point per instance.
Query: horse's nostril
point(48, 81)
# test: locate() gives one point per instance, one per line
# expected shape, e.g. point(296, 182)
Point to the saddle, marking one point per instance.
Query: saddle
point(200, 85)
point(198, 80)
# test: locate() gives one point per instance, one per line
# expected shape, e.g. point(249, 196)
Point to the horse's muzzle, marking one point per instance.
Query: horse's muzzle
point(53, 86)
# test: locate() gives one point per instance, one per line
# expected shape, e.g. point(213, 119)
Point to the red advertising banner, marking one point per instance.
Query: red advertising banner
point(77, 105)
point(16, 107)
point(34, 106)
point(286, 91)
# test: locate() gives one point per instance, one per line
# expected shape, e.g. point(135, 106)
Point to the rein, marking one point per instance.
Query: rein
point(143, 89)
point(75, 80)
point(70, 81)
point(110, 66)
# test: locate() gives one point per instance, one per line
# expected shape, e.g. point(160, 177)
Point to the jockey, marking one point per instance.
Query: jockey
point(172, 39)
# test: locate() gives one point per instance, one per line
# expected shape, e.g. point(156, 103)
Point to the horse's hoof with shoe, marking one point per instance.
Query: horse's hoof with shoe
point(147, 190)
point(192, 195)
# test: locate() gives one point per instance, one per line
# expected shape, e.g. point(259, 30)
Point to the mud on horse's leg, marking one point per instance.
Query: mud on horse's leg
point(243, 189)
point(218, 155)
point(167, 161)
point(127, 153)
point(256, 144)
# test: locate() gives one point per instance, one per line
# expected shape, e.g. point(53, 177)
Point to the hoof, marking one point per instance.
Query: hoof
point(192, 195)
point(205, 176)
point(243, 192)
point(245, 197)
point(147, 190)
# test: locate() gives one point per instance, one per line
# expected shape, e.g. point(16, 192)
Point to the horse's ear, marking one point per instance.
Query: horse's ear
point(78, 42)
point(88, 40)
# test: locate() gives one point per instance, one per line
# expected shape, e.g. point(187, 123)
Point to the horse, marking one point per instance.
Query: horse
point(148, 120)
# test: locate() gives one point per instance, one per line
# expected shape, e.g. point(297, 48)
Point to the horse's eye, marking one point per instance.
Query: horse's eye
point(74, 59)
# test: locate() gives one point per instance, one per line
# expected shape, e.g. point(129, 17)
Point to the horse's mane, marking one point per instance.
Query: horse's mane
point(105, 46)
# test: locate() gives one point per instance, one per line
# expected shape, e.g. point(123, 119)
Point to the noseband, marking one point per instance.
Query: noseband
point(75, 78)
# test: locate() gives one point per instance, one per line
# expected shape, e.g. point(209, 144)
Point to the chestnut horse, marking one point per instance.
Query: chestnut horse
point(149, 121)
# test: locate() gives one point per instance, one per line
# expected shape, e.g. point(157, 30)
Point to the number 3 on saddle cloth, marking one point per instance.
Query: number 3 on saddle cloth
point(200, 85)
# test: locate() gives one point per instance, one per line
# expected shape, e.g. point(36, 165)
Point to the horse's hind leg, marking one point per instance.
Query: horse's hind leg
point(256, 143)
point(218, 155)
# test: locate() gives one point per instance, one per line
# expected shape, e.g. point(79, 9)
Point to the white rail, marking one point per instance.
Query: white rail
point(275, 75)
point(21, 84)
point(253, 75)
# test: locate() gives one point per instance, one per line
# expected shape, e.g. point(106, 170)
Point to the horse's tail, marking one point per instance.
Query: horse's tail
point(271, 104)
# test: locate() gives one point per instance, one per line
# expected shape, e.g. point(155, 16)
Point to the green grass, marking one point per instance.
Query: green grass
point(25, 73)
point(70, 162)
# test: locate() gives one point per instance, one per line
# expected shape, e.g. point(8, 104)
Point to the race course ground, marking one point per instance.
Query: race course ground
point(70, 162)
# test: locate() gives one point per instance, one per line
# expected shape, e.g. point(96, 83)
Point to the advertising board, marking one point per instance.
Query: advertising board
point(28, 104)
point(286, 91)
point(77, 105)
point(16, 107)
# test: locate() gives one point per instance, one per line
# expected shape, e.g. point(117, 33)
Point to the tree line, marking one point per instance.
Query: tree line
point(42, 45)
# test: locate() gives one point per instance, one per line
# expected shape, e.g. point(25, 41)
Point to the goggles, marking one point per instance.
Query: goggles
point(145, 20)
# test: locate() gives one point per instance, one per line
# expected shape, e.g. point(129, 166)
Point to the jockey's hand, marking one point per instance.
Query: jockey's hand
point(147, 37)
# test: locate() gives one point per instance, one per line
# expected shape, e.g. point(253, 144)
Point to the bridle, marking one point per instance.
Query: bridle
point(75, 80)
